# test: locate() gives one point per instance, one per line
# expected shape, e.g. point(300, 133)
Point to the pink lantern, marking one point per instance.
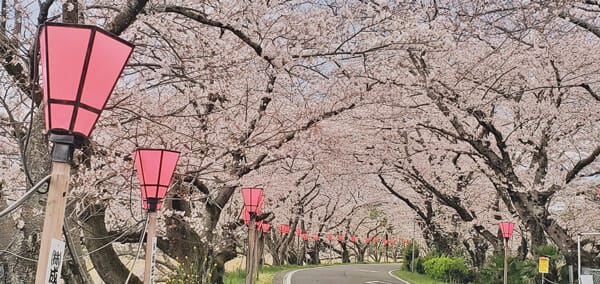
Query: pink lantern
point(353, 238)
point(253, 198)
point(284, 228)
point(375, 239)
point(315, 237)
point(155, 169)
point(330, 237)
point(266, 227)
point(507, 227)
point(245, 216)
point(385, 242)
point(392, 242)
point(341, 237)
point(367, 240)
point(80, 67)
point(305, 236)
point(298, 231)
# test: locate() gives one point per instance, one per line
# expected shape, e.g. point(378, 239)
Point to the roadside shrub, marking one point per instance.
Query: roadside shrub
point(519, 271)
point(408, 255)
point(448, 269)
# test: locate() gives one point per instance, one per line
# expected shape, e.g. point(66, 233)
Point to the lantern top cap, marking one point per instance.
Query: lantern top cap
point(90, 27)
point(156, 149)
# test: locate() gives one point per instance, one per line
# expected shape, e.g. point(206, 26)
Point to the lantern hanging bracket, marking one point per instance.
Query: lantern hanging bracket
point(64, 145)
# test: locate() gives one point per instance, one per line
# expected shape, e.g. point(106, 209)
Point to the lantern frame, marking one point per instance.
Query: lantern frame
point(253, 199)
point(284, 228)
point(507, 228)
point(81, 65)
point(158, 189)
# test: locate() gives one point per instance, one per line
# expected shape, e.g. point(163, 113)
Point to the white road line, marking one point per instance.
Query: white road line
point(392, 274)
point(363, 270)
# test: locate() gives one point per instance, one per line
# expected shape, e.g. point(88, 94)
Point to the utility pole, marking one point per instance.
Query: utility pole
point(412, 258)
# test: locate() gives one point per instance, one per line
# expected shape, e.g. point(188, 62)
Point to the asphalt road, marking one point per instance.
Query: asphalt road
point(344, 274)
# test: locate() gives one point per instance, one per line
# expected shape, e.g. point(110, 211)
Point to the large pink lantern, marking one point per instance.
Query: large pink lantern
point(507, 227)
point(253, 199)
point(80, 67)
point(155, 169)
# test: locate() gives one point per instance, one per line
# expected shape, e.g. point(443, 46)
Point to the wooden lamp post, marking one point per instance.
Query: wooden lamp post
point(253, 199)
point(506, 228)
point(80, 67)
point(155, 169)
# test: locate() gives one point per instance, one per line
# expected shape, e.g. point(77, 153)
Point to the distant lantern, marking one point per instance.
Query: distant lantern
point(305, 236)
point(284, 228)
point(392, 242)
point(330, 237)
point(341, 237)
point(266, 227)
point(375, 239)
point(353, 239)
point(506, 228)
point(385, 242)
point(367, 240)
point(253, 199)
point(155, 169)
point(315, 237)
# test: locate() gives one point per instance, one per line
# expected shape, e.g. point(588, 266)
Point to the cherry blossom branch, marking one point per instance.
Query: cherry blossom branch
point(581, 23)
point(582, 164)
point(201, 17)
point(126, 17)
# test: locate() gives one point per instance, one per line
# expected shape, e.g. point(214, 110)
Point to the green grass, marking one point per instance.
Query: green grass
point(264, 277)
point(416, 278)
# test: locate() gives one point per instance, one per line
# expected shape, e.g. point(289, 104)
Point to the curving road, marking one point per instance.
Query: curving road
point(344, 274)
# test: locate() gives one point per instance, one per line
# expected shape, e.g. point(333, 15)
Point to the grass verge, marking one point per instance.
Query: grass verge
point(264, 277)
point(416, 278)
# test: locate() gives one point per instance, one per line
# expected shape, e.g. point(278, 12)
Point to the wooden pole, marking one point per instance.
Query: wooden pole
point(150, 235)
point(505, 261)
point(250, 255)
point(257, 253)
point(54, 216)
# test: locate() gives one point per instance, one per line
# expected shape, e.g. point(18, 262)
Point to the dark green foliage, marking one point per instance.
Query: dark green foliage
point(408, 255)
point(519, 271)
point(448, 269)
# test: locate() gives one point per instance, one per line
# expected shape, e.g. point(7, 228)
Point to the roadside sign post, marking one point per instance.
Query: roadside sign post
point(544, 264)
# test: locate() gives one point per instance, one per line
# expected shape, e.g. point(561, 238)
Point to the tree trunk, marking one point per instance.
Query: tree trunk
point(21, 236)
point(103, 256)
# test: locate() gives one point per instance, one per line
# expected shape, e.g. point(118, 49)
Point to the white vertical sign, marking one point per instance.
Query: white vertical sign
point(55, 259)
point(154, 240)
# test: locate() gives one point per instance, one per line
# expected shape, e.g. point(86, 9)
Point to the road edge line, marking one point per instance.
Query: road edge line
point(287, 278)
point(394, 276)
